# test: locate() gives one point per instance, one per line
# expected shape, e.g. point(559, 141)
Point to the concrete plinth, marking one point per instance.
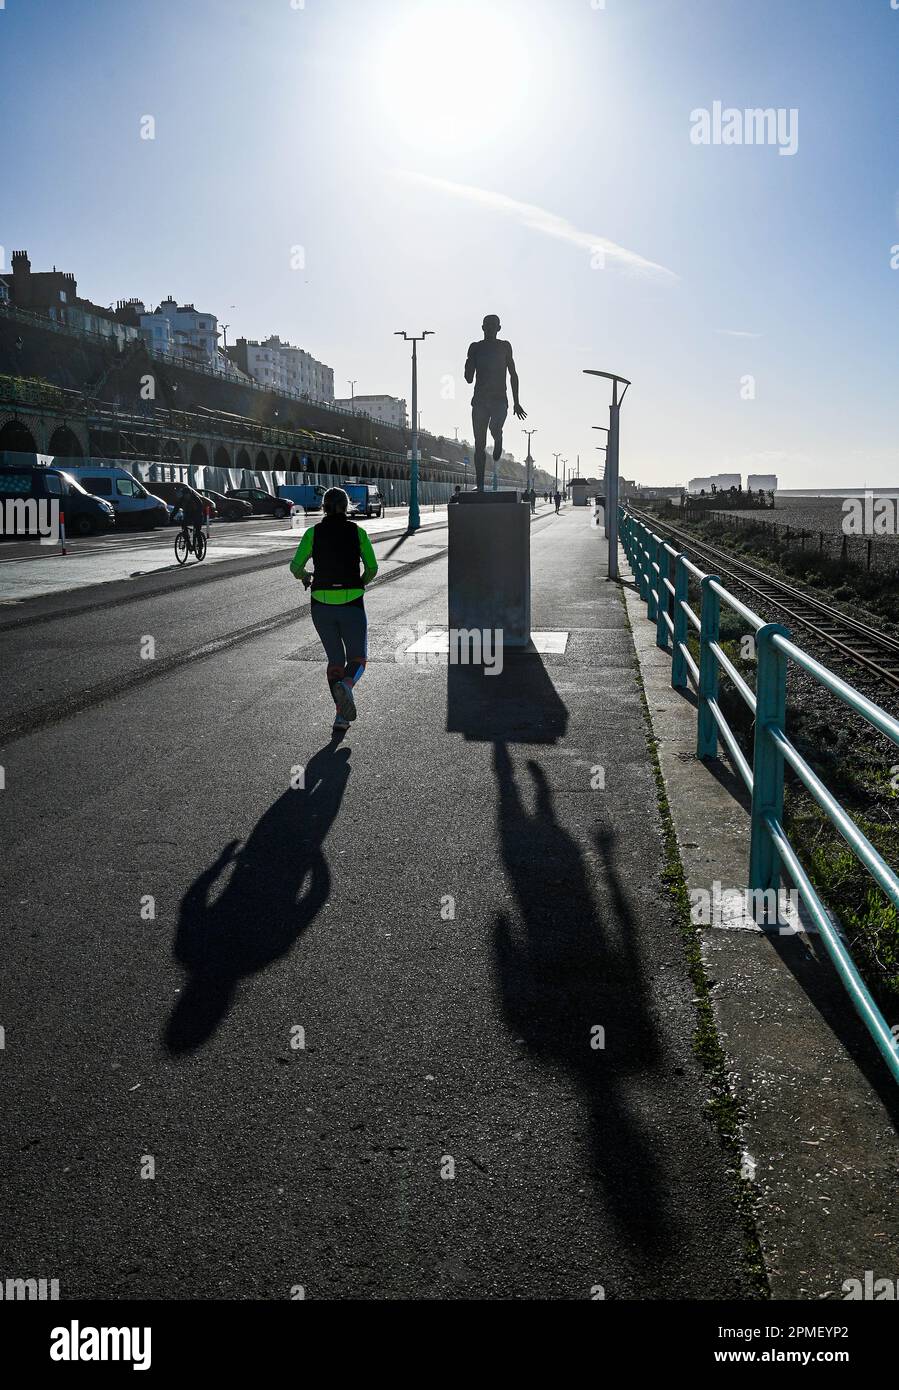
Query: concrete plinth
point(490, 570)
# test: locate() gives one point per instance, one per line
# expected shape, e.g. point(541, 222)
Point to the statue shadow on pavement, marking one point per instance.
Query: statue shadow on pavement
point(519, 705)
point(278, 883)
point(567, 962)
point(568, 958)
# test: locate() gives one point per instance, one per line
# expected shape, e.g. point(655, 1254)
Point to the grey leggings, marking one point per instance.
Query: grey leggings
point(343, 629)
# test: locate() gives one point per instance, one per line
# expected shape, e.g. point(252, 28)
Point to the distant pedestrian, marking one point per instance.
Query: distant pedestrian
point(343, 563)
point(558, 501)
point(533, 500)
point(457, 493)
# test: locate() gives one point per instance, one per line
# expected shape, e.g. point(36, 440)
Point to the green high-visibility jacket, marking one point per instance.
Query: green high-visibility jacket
point(304, 555)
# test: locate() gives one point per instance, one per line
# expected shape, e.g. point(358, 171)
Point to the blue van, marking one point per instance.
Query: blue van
point(306, 495)
point(365, 499)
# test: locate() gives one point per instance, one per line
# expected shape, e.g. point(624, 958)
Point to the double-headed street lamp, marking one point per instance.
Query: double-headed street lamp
point(556, 478)
point(528, 461)
point(612, 465)
point(414, 516)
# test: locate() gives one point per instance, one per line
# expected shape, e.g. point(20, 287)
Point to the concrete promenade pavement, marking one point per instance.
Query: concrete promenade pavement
point(462, 897)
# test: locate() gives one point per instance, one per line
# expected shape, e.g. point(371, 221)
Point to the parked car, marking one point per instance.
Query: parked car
point(262, 502)
point(307, 496)
point(228, 508)
point(169, 492)
point(132, 503)
point(84, 514)
point(365, 499)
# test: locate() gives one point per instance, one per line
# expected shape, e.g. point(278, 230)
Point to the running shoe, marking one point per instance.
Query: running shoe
point(346, 705)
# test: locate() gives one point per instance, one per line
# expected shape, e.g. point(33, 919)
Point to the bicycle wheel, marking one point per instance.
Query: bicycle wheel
point(181, 548)
point(200, 546)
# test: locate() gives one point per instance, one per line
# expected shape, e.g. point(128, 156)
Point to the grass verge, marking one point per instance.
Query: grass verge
point(724, 1110)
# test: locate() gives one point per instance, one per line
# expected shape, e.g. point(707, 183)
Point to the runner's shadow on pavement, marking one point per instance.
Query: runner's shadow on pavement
point(567, 963)
point(279, 881)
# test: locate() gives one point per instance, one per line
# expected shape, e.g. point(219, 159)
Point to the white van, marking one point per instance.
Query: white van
point(130, 500)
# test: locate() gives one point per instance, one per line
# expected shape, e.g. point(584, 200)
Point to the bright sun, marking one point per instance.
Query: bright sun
point(453, 75)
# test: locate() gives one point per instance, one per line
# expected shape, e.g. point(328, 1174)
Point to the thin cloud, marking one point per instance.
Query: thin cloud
point(547, 224)
point(736, 333)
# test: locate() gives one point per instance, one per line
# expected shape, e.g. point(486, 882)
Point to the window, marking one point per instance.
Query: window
point(99, 487)
point(126, 488)
point(53, 484)
point(15, 484)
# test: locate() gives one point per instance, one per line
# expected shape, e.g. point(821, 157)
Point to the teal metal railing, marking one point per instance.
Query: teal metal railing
point(662, 576)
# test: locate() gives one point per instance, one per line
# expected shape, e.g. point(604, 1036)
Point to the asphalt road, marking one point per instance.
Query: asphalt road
point(449, 908)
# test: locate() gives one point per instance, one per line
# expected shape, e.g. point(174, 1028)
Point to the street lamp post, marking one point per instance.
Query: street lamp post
point(612, 465)
point(352, 396)
point(414, 516)
point(528, 461)
point(556, 477)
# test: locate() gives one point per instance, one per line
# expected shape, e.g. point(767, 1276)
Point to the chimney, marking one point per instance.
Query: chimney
point(21, 279)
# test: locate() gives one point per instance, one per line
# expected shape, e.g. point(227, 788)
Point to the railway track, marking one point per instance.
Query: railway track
point(857, 642)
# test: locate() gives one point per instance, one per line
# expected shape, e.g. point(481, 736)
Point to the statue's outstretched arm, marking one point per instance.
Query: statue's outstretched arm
point(513, 380)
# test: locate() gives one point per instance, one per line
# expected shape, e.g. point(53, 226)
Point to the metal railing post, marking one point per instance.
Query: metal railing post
point(662, 606)
point(681, 624)
point(653, 560)
point(767, 759)
point(640, 543)
point(710, 617)
point(624, 538)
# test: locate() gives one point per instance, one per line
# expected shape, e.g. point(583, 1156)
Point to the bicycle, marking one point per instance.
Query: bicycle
point(190, 542)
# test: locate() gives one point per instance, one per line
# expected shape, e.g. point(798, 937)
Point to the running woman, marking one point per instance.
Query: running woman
point(343, 562)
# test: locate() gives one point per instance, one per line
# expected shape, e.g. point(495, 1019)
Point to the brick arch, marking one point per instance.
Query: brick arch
point(65, 442)
point(17, 436)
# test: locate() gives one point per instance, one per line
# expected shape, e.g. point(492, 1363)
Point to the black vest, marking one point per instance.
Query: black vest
point(336, 557)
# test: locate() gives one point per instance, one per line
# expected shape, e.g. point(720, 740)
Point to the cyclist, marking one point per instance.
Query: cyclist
point(193, 513)
point(339, 550)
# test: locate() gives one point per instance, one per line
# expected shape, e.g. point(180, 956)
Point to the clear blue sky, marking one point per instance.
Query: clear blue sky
point(439, 159)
